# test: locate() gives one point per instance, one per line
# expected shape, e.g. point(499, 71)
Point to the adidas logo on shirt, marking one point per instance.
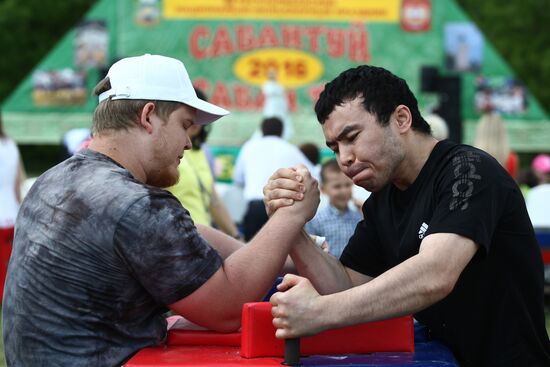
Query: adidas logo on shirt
point(422, 230)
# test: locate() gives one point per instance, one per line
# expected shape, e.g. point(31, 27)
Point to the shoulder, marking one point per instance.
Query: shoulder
point(462, 154)
point(463, 163)
point(156, 212)
point(147, 198)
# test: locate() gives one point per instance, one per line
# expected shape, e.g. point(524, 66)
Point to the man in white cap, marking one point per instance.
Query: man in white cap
point(101, 251)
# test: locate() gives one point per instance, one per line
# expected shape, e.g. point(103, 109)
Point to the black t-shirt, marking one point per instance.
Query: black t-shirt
point(495, 314)
point(97, 256)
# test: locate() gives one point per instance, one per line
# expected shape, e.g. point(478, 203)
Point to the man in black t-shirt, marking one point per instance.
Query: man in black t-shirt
point(445, 236)
point(101, 252)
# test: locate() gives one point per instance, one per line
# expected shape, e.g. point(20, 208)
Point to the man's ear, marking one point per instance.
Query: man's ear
point(145, 116)
point(403, 117)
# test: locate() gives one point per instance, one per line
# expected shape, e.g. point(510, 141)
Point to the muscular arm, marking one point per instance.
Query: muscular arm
point(407, 288)
point(326, 273)
point(247, 274)
point(414, 284)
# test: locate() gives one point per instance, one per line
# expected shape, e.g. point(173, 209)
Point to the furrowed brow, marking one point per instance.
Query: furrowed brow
point(346, 130)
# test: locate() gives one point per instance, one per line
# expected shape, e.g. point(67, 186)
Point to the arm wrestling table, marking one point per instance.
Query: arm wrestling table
point(386, 343)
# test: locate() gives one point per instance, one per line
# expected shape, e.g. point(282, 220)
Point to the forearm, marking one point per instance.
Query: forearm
point(324, 271)
point(245, 276)
point(405, 289)
point(262, 259)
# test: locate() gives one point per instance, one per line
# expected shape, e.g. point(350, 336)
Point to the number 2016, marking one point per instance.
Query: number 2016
point(287, 69)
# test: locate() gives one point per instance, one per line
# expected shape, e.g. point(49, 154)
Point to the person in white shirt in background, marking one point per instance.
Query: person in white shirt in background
point(440, 130)
point(276, 103)
point(256, 162)
point(538, 198)
point(11, 177)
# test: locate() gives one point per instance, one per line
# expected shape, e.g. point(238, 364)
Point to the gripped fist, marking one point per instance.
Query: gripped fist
point(289, 185)
point(294, 308)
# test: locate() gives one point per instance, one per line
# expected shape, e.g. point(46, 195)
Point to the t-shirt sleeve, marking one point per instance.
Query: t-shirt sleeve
point(363, 252)
point(471, 195)
point(160, 244)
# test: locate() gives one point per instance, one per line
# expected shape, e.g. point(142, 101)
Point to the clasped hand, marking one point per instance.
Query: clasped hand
point(292, 186)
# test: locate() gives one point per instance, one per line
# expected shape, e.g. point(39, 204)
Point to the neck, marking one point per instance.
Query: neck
point(418, 148)
point(122, 147)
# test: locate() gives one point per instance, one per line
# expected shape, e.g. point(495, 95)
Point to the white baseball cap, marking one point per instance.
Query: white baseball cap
point(158, 78)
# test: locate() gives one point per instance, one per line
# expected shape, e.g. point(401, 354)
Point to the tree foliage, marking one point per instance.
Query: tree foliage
point(520, 31)
point(28, 30)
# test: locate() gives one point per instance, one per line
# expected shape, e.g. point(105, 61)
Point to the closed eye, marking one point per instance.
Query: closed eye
point(186, 124)
point(351, 138)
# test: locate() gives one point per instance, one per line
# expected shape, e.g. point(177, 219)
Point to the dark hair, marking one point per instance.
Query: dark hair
point(202, 135)
point(311, 152)
point(528, 177)
point(272, 126)
point(330, 165)
point(381, 91)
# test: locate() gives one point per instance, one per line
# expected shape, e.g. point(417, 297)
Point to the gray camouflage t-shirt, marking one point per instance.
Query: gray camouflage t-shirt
point(97, 256)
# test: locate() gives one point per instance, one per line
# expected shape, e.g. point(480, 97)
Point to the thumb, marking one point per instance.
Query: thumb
point(289, 281)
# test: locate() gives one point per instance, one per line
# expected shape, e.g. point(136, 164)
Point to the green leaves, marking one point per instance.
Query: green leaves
point(520, 31)
point(28, 30)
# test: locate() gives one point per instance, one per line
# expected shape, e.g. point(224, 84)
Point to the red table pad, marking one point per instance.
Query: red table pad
point(203, 337)
point(258, 343)
point(196, 355)
point(258, 336)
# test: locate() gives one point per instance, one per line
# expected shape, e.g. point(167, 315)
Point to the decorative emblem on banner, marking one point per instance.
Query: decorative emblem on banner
point(416, 15)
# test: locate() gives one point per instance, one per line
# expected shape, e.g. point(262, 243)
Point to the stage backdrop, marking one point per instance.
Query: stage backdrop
point(228, 47)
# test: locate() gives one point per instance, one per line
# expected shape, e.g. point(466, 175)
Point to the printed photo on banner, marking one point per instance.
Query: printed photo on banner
point(91, 44)
point(62, 87)
point(463, 47)
point(147, 13)
point(505, 95)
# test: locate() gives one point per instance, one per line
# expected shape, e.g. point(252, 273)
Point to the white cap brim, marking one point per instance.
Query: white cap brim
point(206, 112)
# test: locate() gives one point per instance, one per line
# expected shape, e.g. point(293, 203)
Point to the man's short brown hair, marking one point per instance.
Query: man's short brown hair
point(123, 114)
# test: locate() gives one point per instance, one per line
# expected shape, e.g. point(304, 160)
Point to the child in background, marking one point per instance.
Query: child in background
point(336, 221)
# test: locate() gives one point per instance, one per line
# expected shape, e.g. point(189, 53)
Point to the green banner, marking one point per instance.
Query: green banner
point(303, 43)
